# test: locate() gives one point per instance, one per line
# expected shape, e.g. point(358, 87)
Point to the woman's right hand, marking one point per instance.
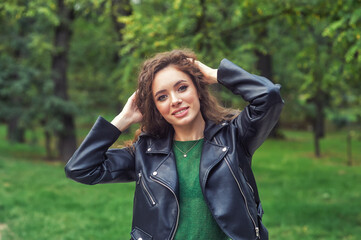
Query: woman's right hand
point(210, 74)
point(129, 115)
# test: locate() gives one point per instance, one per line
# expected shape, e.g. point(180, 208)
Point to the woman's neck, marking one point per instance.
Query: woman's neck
point(189, 132)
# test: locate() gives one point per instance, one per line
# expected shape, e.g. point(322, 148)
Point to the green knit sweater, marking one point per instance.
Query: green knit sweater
point(195, 219)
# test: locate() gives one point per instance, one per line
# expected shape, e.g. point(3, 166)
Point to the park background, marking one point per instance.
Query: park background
point(64, 62)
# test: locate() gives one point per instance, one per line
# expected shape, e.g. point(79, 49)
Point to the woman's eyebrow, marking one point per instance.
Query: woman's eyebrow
point(163, 90)
point(179, 82)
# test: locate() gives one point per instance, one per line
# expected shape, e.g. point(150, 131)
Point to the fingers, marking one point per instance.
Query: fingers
point(195, 62)
point(202, 67)
point(133, 97)
point(210, 74)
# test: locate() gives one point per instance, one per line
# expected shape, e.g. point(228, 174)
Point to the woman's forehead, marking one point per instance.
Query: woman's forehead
point(169, 76)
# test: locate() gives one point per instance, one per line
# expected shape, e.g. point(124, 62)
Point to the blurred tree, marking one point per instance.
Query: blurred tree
point(344, 29)
point(306, 61)
point(66, 135)
point(19, 65)
point(119, 8)
point(25, 64)
point(95, 70)
point(12, 70)
point(88, 57)
point(316, 67)
point(259, 17)
point(311, 48)
point(264, 66)
point(157, 26)
point(35, 39)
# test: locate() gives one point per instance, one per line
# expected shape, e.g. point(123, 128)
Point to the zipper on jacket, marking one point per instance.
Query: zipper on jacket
point(249, 185)
point(141, 181)
point(244, 197)
point(176, 224)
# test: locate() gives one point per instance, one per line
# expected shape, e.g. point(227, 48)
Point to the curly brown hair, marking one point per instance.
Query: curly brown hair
point(152, 122)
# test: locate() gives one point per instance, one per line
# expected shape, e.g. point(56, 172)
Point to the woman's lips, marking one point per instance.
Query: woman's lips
point(181, 112)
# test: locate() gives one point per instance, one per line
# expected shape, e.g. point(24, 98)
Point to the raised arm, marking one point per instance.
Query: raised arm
point(93, 162)
point(256, 121)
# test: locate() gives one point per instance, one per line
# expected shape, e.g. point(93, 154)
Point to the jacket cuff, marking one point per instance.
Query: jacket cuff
point(106, 129)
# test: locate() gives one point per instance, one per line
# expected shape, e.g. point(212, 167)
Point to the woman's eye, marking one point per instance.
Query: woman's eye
point(182, 88)
point(161, 97)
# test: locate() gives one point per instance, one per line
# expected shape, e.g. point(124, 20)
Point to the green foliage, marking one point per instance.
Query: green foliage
point(344, 28)
point(91, 56)
point(26, 89)
point(314, 45)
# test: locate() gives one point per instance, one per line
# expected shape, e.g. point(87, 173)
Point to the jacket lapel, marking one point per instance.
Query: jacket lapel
point(166, 171)
point(212, 154)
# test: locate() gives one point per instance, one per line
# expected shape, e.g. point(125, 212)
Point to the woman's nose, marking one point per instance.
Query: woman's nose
point(176, 100)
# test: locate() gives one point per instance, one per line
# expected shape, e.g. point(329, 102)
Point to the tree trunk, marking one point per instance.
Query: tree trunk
point(319, 100)
point(317, 145)
point(49, 155)
point(14, 132)
point(201, 27)
point(66, 137)
point(319, 122)
point(264, 66)
point(119, 8)
point(349, 148)
point(321, 97)
point(201, 19)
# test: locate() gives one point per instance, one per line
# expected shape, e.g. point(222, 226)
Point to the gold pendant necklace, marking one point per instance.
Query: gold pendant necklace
point(185, 153)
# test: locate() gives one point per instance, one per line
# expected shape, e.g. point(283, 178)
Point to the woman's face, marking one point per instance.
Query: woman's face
point(176, 98)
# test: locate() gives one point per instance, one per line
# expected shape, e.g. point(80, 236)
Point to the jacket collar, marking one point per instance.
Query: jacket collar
point(212, 128)
point(211, 154)
point(164, 145)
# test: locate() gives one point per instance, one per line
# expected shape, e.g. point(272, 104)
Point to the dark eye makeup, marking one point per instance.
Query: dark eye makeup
point(161, 97)
point(182, 88)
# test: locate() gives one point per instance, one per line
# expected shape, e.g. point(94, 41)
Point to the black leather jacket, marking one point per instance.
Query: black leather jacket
point(227, 148)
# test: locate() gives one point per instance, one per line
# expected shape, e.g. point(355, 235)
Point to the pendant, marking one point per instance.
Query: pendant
point(185, 155)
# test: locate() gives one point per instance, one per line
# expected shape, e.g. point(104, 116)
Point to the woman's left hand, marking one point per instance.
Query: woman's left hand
point(210, 74)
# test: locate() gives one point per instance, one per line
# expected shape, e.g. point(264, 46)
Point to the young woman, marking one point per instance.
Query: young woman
point(191, 162)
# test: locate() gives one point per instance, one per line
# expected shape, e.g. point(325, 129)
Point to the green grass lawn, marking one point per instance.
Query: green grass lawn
point(303, 197)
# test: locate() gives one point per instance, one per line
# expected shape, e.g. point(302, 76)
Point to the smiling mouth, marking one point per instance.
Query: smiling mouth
point(180, 111)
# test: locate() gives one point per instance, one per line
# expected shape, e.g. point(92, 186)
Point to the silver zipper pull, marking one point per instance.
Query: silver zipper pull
point(139, 177)
point(257, 232)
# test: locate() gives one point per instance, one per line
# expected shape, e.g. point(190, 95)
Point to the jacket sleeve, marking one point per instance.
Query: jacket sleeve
point(93, 162)
point(256, 121)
